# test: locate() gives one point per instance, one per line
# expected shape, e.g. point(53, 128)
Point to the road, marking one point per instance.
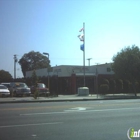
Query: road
point(87, 120)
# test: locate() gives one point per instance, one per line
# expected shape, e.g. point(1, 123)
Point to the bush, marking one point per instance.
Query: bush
point(112, 86)
point(119, 85)
point(126, 86)
point(35, 94)
point(104, 88)
point(137, 86)
point(104, 81)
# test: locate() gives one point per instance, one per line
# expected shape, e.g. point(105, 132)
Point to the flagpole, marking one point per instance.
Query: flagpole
point(84, 53)
point(82, 47)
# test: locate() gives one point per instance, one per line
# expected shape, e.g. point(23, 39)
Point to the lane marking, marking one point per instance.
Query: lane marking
point(21, 125)
point(76, 109)
point(79, 108)
point(82, 111)
point(34, 135)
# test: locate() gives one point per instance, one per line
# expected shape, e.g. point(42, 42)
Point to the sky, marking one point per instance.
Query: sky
point(52, 26)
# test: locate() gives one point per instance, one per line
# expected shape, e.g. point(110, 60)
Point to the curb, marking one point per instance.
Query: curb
point(68, 100)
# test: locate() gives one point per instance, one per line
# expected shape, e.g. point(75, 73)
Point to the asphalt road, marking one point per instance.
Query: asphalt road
point(88, 120)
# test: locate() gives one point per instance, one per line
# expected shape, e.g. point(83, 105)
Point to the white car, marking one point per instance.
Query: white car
point(4, 91)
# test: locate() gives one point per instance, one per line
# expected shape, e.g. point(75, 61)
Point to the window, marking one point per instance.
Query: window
point(108, 69)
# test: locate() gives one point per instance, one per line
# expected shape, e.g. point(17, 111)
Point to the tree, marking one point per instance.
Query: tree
point(5, 76)
point(127, 64)
point(34, 79)
point(33, 60)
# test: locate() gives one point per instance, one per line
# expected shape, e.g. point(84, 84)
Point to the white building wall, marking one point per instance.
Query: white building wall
point(66, 70)
point(39, 72)
point(103, 69)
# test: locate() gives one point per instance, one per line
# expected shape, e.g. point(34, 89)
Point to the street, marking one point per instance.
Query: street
point(85, 120)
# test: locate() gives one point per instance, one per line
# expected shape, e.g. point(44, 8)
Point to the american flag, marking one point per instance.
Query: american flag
point(81, 30)
point(81, 37)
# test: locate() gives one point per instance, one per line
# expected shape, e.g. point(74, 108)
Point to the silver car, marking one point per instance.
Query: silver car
point(19, 88)
point(4, 91)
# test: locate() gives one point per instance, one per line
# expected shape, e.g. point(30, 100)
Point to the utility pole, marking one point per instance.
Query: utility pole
point(89, 61)
point(15, 60)
point(47, 69)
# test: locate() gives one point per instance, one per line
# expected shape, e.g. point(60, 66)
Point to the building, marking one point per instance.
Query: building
point(69, 77)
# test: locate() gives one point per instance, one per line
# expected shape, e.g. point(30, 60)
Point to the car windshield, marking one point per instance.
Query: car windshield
point(41, 86)
point(3, 87)
point(7, 85)
point(21, 85)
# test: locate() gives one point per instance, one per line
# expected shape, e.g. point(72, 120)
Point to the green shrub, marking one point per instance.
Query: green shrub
point(119, 85)
point(137, 86)
point(35, 94)
point(126, 86)
point(104, 88)
point(104, 81)
point(112, 86)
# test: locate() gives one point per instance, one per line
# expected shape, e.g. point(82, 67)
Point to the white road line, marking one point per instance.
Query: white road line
point(73, 110)
point(83, 111)
point(21, 125)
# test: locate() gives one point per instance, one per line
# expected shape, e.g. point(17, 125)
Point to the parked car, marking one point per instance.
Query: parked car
point(42, 89)
point(18, 88)
point(4, 91)
point(8, 85)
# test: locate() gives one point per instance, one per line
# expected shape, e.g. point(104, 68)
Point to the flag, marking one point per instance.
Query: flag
point(82, 47)
point(81, 37)
point(81, 30)
point(78, 36)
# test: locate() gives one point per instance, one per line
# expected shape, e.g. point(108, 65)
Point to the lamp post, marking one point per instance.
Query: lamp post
point(48, 68)
point(89, 61)
point(46, 54)
point(15, 61)
point(97, 79)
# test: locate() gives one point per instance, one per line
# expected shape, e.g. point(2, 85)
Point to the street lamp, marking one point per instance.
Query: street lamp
point(15, 61)
point(97, 78)
point(46, 54)
point(89, 61)
point(48, 68)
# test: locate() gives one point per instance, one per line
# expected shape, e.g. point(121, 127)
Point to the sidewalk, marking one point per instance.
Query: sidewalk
point(64, 98)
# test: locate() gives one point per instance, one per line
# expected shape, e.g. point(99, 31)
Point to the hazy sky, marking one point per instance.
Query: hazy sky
point(52, 26)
